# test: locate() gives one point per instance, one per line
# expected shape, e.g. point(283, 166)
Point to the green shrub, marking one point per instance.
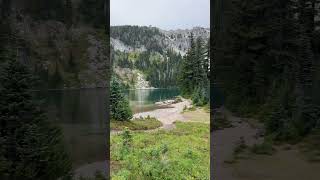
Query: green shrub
point(199, 97)
point(136, 124)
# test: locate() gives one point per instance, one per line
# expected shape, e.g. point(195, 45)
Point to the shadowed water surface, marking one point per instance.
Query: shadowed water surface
point(81, 113)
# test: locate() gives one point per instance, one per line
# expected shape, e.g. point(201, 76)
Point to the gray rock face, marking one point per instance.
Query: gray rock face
point(178, 40)
point(141, 83)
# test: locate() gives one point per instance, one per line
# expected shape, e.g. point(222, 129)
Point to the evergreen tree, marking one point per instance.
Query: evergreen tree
point(186, 74)
point(31, 148)
point(193, 77)
point(119, 105)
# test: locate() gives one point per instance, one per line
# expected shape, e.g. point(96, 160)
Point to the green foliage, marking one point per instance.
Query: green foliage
point(200, 97)
point(164, 154)
point(126, 143)
point(31, 148)
point(119, 104)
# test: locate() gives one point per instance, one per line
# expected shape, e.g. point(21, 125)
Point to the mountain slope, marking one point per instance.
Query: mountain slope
point(142, 38)
point(154, 52)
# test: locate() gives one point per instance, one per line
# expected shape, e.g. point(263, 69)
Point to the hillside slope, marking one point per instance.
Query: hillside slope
point(154, 52)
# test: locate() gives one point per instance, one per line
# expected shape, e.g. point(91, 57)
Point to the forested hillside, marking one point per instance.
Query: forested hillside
point(151, 52)
point(62, 41)
point(268, 64)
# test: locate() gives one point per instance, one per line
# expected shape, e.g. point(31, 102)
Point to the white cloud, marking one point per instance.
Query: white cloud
point(166, 14)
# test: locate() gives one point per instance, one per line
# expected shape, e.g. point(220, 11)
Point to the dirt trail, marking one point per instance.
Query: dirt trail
point(284, 164)
point(224, 144)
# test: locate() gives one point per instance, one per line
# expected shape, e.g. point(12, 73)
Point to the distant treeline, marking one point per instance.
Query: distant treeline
point(136, 36)
point(161, 70)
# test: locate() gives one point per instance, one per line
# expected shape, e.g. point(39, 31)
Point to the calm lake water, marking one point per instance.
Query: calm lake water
point(81, 114)
point(144, 99)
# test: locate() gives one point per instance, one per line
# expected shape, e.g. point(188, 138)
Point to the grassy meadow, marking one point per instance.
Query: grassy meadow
point(181, 153)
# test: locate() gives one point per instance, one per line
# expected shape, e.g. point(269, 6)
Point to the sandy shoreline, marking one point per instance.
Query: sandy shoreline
point(167, 116)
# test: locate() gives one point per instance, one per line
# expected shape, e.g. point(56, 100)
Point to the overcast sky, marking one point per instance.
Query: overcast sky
point(165, 14)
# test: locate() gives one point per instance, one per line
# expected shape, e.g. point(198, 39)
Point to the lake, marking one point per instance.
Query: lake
point(142, 100)
point(81, 114)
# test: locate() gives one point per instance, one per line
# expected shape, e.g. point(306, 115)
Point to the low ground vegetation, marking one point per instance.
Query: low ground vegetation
point(136, 124)
point(162, 154)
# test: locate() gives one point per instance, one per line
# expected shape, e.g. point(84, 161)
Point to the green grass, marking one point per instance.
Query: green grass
point(136, 124)
point(182, 153)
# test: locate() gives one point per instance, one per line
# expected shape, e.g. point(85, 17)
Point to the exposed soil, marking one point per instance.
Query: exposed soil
point(284, 164)
point(224, 143)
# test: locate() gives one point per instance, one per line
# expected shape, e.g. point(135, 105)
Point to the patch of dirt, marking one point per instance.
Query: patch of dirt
point(225, 141)
point(286, 163)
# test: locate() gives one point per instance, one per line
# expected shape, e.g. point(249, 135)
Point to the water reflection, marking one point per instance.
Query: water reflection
point(82, 115)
